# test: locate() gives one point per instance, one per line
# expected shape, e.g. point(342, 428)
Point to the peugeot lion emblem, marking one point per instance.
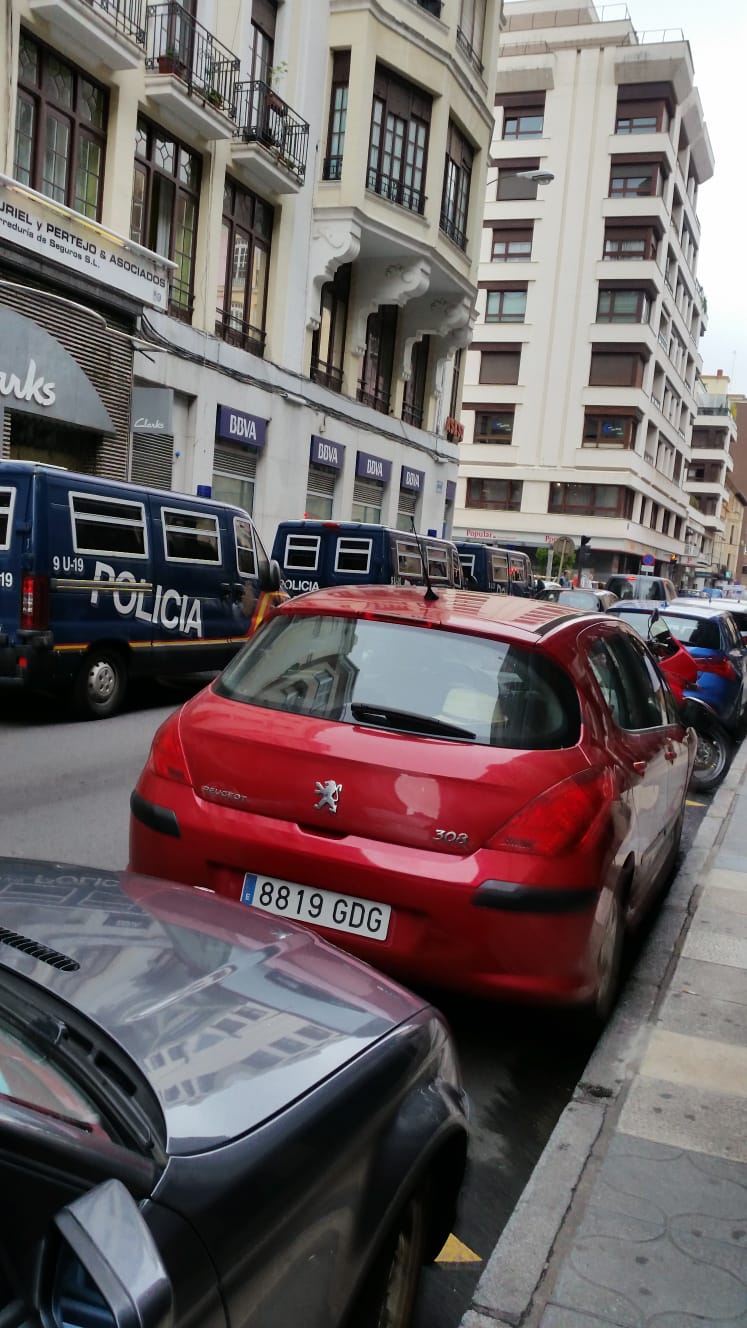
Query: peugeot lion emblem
point(328, 794)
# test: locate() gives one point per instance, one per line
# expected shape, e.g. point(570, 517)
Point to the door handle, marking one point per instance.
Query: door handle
point(670, 754)
point(639, 767)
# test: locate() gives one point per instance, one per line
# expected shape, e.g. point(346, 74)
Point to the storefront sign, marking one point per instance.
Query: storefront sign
point(326, 453)
point(49, 230)
point(152, 409)
point(414, 480)
point(369, 467)
point(39, 376)
point(238, 427)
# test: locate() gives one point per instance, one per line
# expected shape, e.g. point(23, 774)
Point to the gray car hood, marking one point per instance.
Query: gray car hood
point(230, 1015)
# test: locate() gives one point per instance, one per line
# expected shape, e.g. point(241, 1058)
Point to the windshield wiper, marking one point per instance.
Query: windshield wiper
point(386, 717)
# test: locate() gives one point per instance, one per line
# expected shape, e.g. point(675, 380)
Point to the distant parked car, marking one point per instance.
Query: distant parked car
point(709, 632)
point(593, 601)
point(289, 1123)
point(477, 791)
point(641, 587)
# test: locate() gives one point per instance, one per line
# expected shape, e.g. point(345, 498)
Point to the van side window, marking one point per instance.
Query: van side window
point(108, 525)
point(499, 567)
point(353, 555)
point(246, 555)
point(7, 498)
point(191, 537)
point(302, 553)
point(468, 564)
point(438, 565)
point(408, 560)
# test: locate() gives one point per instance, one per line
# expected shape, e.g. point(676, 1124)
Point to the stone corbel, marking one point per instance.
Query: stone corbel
point(377, 284)
point(334, 241)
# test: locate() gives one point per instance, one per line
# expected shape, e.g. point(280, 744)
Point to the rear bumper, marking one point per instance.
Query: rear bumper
point(467, 923)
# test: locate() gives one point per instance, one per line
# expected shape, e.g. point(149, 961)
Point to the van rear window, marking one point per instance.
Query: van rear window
point(107, 525)
point(7, 498)
point(190, 537)
point(246, 557)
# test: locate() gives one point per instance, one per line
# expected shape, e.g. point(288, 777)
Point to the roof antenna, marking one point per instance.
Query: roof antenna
point(429, 591)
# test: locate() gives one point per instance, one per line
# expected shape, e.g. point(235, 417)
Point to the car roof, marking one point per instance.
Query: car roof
point(465, 610)
point(164, 968)
point(679, 608)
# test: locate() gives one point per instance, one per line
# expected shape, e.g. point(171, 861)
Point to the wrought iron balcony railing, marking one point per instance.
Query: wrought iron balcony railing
point(327, 375)
point(238, 332)
point(454, 232)
point(332, 168)
point(177, 44)
point(125, 15)
point(388, 186)
point(263, 117)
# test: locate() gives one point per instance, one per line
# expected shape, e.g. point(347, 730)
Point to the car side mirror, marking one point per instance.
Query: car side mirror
point(272, 576)
point(103, 1270)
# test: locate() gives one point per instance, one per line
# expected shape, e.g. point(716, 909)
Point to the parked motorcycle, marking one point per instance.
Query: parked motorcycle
point(715, 750)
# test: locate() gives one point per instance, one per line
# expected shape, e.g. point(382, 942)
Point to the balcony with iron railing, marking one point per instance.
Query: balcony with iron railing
point(378, 397)
point(393, 189)
point(271, 141)
point(466, 47)
point(326, 375)
point(111, 32)
point(454, 232)
point(190, 72)
point(238, 332)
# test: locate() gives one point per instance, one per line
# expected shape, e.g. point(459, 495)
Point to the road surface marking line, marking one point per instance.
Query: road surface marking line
point(455, 1252)
point(690, 802)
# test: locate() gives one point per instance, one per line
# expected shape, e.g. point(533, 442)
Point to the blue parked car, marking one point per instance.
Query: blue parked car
point(710, 634)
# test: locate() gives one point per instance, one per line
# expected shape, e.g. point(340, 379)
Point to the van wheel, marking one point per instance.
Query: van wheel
point(100, 686)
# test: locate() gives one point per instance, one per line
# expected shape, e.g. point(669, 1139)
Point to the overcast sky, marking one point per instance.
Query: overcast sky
point(717, 33)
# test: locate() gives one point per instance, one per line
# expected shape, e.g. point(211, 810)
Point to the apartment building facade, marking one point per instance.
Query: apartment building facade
point(239, 244)
point(581, 380)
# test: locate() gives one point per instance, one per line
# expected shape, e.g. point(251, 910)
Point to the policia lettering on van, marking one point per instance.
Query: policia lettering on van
point(343, 553)
point(102, 581)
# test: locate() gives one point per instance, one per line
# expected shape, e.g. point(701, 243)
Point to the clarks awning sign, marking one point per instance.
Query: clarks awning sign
point(54, 232)
point(38, 375)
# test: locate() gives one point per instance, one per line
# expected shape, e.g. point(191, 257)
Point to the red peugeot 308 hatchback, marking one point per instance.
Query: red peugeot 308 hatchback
point(473, 791)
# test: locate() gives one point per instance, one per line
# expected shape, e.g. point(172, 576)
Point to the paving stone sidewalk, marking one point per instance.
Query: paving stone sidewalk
point(636, 1214)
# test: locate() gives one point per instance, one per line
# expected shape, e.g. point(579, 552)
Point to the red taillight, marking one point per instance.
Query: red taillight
point(34, 602)
point(723, 668)
point(166, 757)
point(559, 819)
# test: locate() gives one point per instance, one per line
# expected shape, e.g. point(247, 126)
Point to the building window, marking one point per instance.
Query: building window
point(262, 32)
point(510, 245)
point(338, 114)
point(609, 430)
point(471, 29)
point(165, 204)
point(328, 340)
point(614, 369)
point(457, 179)
point(524, 121)
point(320, 492)
point(246, 234)
point(635, 179)
point(413, 401)
point(500, 366)
point(591, 499)
point(398, 143)
point(497, 495)
point(61, 117)
point(375, 385)
point(641, 115)
point(495, 426)
point(623, 306)
point(629, 242)
point(506, 305)
point(511, 184)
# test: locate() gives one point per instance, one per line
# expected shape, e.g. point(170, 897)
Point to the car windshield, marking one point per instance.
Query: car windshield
point(432, 683)
point(28, 1077)
point(700, 633)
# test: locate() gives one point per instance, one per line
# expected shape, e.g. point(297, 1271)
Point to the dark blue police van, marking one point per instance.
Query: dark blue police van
point(344, 553)
point(103, 581)
point(496, 570)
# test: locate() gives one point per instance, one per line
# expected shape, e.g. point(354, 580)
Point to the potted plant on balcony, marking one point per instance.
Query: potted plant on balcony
point(273, 102)
point(214, 98)
point(170, 62)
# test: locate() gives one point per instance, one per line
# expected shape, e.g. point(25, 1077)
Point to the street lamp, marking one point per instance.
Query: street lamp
point(536, 177)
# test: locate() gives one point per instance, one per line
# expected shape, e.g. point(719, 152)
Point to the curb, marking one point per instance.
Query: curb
point(528, 1244)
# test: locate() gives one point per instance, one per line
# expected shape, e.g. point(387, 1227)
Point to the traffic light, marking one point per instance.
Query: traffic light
point(583, 553)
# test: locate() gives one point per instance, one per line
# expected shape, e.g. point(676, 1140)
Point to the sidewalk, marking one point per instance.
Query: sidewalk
point(636, 1213)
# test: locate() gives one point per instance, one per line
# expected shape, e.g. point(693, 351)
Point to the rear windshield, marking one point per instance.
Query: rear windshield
point(406, 678)
point(640, 587)
point(701, 633)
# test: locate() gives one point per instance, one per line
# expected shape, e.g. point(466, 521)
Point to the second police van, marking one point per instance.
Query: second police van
point(102, 581)
point(314, 553)
point(496, 570)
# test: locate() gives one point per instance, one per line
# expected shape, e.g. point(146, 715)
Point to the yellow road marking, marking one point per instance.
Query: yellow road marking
point(455, 1252)
point(690, 802)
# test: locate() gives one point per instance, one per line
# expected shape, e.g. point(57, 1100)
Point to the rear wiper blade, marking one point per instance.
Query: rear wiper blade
point(405, 719)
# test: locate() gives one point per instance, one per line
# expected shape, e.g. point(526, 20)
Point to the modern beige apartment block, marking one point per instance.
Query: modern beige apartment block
point(582, 380)
point(251, 229)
